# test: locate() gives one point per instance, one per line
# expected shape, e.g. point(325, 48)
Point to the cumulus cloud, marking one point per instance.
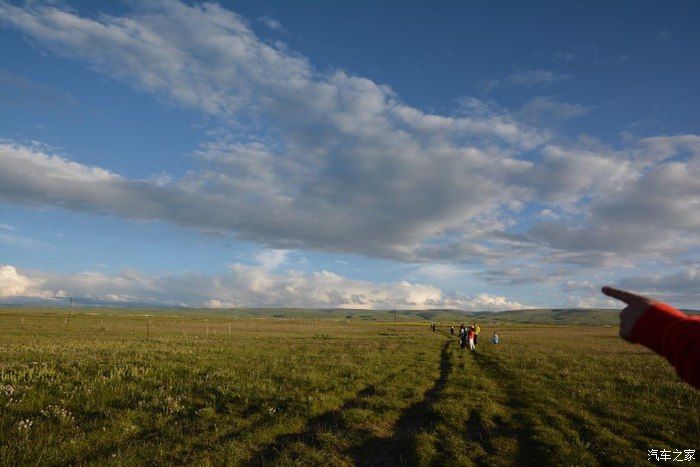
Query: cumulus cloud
point(14, 284)
point(241, 285)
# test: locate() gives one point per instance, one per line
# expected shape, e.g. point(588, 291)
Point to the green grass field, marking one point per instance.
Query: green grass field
point(124, 388)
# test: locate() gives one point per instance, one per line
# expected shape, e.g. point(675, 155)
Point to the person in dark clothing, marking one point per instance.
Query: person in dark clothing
point(452, 330)
point(462, 336)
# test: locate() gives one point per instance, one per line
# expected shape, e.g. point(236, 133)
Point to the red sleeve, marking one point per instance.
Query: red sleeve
point(675, 336)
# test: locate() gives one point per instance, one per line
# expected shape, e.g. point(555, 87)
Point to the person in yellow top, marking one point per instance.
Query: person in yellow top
point(477, 330)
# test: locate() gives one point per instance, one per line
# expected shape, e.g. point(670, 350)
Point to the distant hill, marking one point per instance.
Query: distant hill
point(567, 316)
point(542, 316)
point(572, 316)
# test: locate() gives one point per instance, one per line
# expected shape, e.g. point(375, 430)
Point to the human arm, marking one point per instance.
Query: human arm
point(662, 328)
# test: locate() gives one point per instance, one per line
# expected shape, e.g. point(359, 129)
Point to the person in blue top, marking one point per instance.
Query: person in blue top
point(494, 339)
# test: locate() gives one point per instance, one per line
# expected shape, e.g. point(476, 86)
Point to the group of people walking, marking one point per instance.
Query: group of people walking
point(468, 336)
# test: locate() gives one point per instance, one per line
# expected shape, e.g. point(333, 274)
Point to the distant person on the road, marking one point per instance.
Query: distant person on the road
point(462, 336)
point(477, 330)
point(452, 329)
point(662, 328)
point(432, 325)
point(470, 335)
point(494, 339)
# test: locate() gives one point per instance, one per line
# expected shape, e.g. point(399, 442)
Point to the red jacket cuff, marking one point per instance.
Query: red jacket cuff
point(650, 328)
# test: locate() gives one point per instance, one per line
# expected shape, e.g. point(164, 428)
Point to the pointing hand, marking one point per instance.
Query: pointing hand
point(636, 306)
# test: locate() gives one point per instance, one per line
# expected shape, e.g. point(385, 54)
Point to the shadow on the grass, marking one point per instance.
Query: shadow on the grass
point(328, 421)
point(399, 449)
point(518, 428)
point(395, 450)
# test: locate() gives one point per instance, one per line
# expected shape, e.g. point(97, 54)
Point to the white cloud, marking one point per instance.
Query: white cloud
point(242, 285)
point(494, 303)
point(213, 303)
point(14, 284)
point(270, 259)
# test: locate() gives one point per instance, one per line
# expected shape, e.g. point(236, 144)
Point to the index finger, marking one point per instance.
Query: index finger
point(623, 295)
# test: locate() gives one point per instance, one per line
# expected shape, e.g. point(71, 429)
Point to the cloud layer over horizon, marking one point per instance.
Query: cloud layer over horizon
point(242, 286)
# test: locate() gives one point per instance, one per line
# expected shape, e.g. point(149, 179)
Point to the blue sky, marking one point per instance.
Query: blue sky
point(476, 155)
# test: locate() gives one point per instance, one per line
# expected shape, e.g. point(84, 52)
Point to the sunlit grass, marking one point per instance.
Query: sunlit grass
point(212, 388)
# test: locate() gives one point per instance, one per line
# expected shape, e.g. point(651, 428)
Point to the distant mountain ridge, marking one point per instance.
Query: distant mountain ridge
point(564, 316)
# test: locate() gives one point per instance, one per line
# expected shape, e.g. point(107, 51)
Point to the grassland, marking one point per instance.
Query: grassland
point(217, 388)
